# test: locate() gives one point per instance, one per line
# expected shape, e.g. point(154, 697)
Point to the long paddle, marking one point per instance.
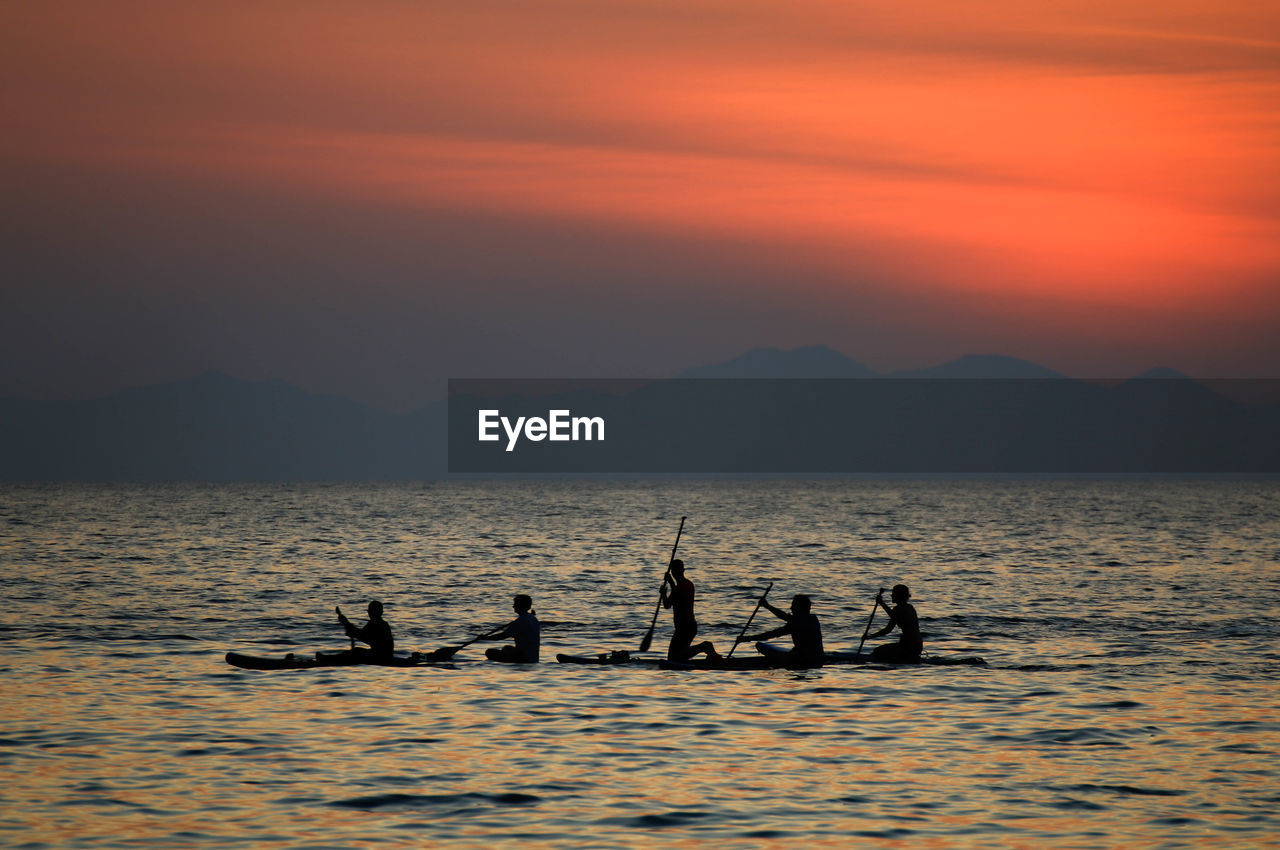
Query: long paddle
point(648, 636)
point(444, 653)
point(759, 602)
point(867, 630)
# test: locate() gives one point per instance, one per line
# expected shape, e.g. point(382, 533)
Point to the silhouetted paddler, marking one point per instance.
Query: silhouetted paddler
point(803, 626)
point(680, 601)
point(902, 617)
point(376, 632)
point(524, 630)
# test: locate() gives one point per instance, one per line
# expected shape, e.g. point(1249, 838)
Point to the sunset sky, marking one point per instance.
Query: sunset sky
point(368, 198)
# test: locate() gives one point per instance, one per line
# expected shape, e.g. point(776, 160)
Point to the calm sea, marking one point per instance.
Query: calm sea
point(1130, 699)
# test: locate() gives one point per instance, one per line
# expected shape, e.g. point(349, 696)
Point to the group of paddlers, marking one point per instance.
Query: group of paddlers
point(677, 594)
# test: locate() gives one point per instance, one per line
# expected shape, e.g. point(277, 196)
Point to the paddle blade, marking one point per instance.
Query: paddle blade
point(647, 642)
point(444, 653)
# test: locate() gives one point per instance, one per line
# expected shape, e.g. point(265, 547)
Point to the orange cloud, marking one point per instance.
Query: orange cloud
point(1072, 151)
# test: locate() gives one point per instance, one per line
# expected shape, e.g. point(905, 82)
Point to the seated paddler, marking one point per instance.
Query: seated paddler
point(802, 624)
point(376, 632)
point(524, 631)
point(902, 616)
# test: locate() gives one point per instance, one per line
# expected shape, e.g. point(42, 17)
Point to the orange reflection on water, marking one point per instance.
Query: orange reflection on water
point(1109, 737)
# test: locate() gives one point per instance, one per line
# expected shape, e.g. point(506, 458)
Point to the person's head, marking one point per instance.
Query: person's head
point(901, 593)
point(375, 610)
point(522, 603)
point(801, 604)
point(677, 568)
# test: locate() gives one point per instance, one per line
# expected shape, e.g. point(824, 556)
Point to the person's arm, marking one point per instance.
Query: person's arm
point(777, 612)
point(883, 631)
point(773, 633)
point(892, 612)
point(504, 632)
point(668, 597)
point(352, 631)
point(893, 619)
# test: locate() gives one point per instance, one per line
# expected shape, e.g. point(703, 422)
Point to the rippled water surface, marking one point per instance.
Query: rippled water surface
point(1130, 698)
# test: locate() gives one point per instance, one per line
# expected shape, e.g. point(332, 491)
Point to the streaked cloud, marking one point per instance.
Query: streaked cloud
point(1086, 155)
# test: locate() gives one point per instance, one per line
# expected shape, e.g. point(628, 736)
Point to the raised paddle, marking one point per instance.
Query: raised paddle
point(867, 630)
point(648, 636)
point(345, 622)
point(759, 602)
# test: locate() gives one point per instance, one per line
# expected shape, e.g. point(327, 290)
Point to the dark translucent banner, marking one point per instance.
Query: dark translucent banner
point(877, 425)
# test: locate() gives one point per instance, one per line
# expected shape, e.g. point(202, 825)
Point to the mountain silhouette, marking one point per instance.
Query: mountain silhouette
point(214, 427)
point(813, 361)
point(217, 428)
point(1162, 373)
point(820, 361)
point(982, 367)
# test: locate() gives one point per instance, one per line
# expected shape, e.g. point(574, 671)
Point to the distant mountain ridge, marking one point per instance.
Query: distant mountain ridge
point(214, 427)
point(812, 361)
point(217, 428)
point(820, 361)
point(982, 367)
